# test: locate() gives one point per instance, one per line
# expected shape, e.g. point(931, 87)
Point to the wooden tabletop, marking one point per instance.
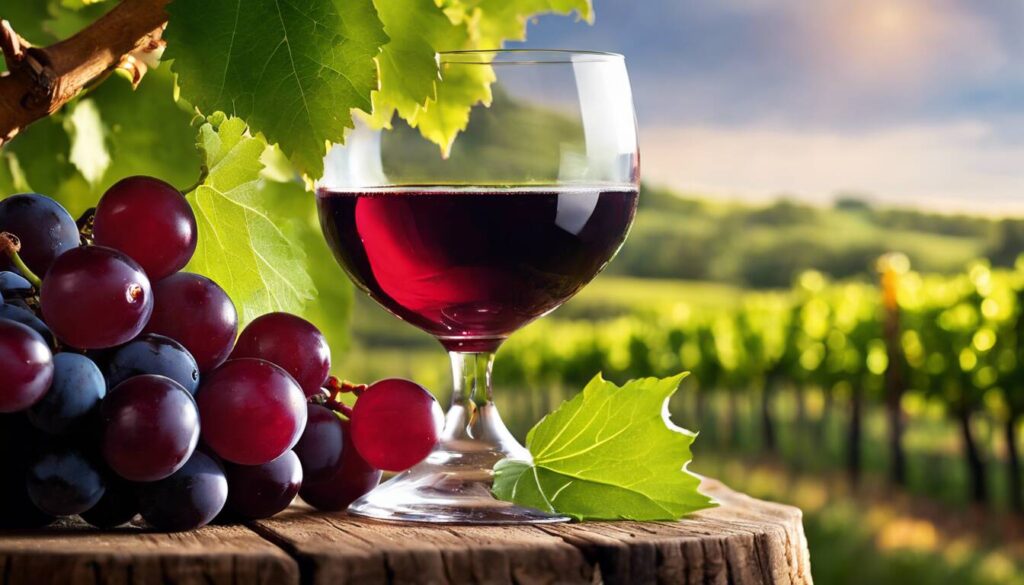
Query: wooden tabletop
point(744, 541)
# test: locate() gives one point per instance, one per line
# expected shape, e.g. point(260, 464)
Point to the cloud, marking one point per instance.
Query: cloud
point(951, 167)
point(918, 101)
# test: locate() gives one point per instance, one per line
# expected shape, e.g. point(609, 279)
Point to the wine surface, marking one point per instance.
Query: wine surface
point(472, 265)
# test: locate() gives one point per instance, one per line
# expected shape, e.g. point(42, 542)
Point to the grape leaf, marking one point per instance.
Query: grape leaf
point(78, 4)
point(445, 116)
point(88, 137)
point(609, 453)
point(67, 18)
point(42, 151)
point(408, 62)
point(240, 247)
point(489, 23)
point(331, 311)
point(294, 69)
point(140, 118)
point(497, 21)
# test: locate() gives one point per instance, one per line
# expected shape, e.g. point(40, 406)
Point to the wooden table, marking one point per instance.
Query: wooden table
point(744, 541)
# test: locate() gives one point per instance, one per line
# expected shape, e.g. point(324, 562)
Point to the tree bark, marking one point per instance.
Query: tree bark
point(767, 423)
point(801, 408)
point(854, 431)
point(734, 418)
point(975, 462)
point(821, 429)
point(894, 400)
point(41, 80)
point(1013, 464)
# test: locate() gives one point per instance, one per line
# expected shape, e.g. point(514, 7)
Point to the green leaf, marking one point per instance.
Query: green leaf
point(446, 116)
point(42, 150)
point(609, 453)
point(78, 4)
point(240, 247)
point(149, 132)
point(294, 69)
point(88, 136)
point(295, 210)
point(65, 20)
point(497, 21)
point(473, 24)
point(408, 62)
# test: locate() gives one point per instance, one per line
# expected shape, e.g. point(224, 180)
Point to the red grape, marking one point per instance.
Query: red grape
point(320, 447)
point(26, 365)
point(260, 491)
point(150, 428)
point(45, 229)
point(95, 297)
point(150, 221)
point(252, 411)
point(195, 312)
point(189, 499)
point(395, 424)
point(290, 342)
point(349, 479)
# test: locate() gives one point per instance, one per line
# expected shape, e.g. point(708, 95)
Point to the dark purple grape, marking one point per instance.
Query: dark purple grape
point(16, 508)
point(154, 354)
point(25, 316)
point(63, 482)
point(395, 424)
point(150, 221)
point(75, 393)
point(14, 285)
point(95, 297)
point(351, 478)
point(260, 491)
point(119, 505)
point(290, 342)
point(26, 366)
point(195, 312)
point(150, 428)
point(189, 499)
point(46, 230)
point(252, 411)
point(319, 448)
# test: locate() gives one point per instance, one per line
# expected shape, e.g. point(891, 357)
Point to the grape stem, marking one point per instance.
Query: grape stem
point(329, 400)
point(337, 386)
point(204, 172)
point(39, 80)
point(10, 245)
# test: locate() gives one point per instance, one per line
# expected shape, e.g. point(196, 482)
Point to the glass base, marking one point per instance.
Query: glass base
point(453, 484)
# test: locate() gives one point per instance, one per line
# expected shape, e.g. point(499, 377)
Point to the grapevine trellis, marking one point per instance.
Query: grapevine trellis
point(951, 340)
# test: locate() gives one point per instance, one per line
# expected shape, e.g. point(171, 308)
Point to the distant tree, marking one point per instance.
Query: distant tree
point(781, 213)
point(852, 202)
point(1008, 242)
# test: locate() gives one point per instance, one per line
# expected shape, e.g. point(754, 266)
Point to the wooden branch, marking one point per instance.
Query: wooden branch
point(40, 80)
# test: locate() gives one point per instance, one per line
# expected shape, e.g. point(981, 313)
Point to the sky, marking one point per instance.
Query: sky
point(904, 102)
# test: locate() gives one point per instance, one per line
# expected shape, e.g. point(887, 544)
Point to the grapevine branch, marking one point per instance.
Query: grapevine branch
point(39, 80)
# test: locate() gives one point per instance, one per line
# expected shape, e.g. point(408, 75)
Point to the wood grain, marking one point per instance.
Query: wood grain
point(74, 553)
point(742, 542)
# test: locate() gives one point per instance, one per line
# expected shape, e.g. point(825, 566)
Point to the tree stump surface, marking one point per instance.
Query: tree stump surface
point(743, 542)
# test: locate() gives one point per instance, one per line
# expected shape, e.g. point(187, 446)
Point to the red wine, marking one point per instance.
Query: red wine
point(472, 265)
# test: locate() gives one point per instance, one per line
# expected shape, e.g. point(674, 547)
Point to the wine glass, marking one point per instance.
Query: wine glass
point(534, 199)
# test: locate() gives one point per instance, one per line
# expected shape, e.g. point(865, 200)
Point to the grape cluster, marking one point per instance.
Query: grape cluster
point(126, 389)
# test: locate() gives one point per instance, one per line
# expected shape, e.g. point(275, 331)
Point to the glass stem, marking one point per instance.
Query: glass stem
point(473, 421)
